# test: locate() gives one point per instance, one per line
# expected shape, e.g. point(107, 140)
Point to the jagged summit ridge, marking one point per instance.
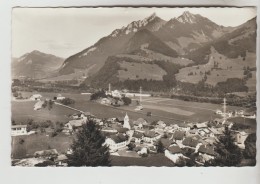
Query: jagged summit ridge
point(135, 25)
point(187, 17)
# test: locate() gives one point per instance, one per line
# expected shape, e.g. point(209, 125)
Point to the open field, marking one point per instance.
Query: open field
point(37, 142)
point(227, 68)
point(168, 110)
point(22, 111)
point(135, 71)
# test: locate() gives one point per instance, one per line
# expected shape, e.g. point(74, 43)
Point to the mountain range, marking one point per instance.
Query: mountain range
point(155, 49)
point(36, 65)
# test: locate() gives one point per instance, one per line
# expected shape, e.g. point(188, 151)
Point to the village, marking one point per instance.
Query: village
point(183, 142)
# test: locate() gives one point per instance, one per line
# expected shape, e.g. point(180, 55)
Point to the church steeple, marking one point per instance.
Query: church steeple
point(126, 122)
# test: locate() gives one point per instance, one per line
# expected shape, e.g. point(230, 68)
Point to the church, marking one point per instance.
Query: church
point(126, 122)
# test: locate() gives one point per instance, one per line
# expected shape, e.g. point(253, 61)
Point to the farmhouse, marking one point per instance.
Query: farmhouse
point(240, 139)
point(116, 93)
point(206, 152)
point(140, 123)
point(150, 136)
point(115, 142)
point(138, 136)
point(184, 126)
point(166, 142)
point(74, 124)
point(178, 136)
point(60, 97)
point(36, 97)
point(61, 160)
point(191, 142)
point(38, 105)
point(160, 124)
point(46, 153)
point(173, 153)
point(19, 130)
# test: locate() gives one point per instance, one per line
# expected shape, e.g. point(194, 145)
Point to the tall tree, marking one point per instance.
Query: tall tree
point(160, 147)
point(228, 153)
point(88, 148)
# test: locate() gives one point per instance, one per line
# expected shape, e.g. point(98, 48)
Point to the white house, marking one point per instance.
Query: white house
point(206, 152)
point(116, 93)
point(115, 142)
point(137, 136)
point(240, 139)
point(36, 97)
point(105, 101)
point(19, 130)
point(38, 105)
point(174, 153)
point(60, 97)
point(151, 136)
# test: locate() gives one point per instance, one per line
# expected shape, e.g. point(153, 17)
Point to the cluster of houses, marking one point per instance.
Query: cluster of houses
point(144, 137)
point(238, 113)
point(198, 137)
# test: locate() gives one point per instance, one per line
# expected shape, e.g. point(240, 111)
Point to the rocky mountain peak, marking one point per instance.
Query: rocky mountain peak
point(187, 17)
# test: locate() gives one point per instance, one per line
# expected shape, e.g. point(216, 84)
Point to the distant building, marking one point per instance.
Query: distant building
point(116, 93)
point(38, 105)
point(61, 160)
point(60, 97)
point(19, 130)
point(52, 153)
point(74, 124)
point(36, 97)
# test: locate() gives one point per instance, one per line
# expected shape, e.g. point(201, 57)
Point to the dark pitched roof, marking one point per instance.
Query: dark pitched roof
point(19, 126)
point(46, 152)
point(178, 135)
point(61, 158)
point(174, 149)
point(138, 135)
point(118, 138)
point(120, 119)
point(140, 121)
point(207, 149)
point(189, 141)
point(150, 134)
point(121, 129)
point(183, 125)
point(166, 142)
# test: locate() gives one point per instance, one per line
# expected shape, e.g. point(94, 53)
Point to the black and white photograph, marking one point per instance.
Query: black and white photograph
point(133, 86)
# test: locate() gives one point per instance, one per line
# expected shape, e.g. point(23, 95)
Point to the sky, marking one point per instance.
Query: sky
point(66, 31)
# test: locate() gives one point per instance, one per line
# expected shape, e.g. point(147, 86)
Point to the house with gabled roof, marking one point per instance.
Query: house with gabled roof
point(151, 136)
point(192, 142)
point(206, 153)
point(174, 153)
point(115, 142)
point(74, 124)
point(52, 153)
point(19, 130)
point(137, 136)
point(178, 136)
